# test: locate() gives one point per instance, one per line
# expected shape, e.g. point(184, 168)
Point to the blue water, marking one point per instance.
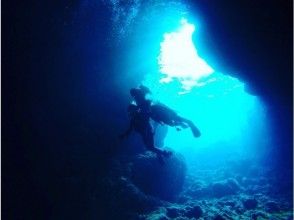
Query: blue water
point(216, 102)
point(227, 163)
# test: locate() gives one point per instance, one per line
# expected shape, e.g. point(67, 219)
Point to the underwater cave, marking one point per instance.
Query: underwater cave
point(225, 66)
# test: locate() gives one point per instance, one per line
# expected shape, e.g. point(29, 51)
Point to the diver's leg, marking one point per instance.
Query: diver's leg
point(149, 143)
point(148, 139)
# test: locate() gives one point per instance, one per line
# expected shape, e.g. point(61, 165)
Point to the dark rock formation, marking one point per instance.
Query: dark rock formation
point(161, 180)
point(194, 212)
point(173, 212)
point(123, 196)
point(199, 191)
point(272, 207)
point(159, 214)
point(250, 203)
point(230, 203)
point(258, 215)
point(224, 188)
point(219, 217)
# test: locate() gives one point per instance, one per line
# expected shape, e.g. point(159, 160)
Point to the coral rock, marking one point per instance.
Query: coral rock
point(250, 203)
point(162, 180)
point(225, 188)
point(194, 212)
point(219, 217)
point(173, 212)
point(272, 207)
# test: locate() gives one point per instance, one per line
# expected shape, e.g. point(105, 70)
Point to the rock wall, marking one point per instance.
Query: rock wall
point(163, 180)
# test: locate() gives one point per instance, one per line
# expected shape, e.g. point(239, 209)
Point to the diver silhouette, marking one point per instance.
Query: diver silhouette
point(161, 113)
point(140, 122)
point(144, 110)
point(165, 115)
point(139, 96)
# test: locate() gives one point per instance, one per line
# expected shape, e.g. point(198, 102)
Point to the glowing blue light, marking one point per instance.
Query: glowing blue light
point(179, 58)
point(217, 103)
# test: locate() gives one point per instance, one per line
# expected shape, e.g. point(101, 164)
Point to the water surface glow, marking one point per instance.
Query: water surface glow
point(216, 102)
point(179, 58)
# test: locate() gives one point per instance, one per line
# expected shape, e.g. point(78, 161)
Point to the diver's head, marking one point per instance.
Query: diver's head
point(142, 91)
point(134, 92)
point(137, 94)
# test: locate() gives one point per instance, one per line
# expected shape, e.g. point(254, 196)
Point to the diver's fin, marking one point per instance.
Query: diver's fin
point(195, 131)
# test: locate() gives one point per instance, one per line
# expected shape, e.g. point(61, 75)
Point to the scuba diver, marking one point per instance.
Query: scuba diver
point(140, 122)
point(143, 110)
point(164, 115)
point(159, 112)
point(139, 96)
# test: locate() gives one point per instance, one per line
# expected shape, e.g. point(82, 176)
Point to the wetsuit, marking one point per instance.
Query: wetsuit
point(140, 122)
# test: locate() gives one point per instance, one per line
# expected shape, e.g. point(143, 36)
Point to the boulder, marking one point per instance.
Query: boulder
point(250, 203)
point(272, 207)
point(230, 203)
point(224, 188)
point(173, 212)
point(159, 214)
point(124, 196)
point(162, 180)
point(219, 217)
point(258, 215)
point(194, 212)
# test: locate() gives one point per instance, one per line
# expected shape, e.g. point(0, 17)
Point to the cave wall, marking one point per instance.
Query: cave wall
point(62, 100)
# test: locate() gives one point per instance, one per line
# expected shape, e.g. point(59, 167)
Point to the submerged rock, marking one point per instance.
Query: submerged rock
point(258, 215)
point(125, 197)
point(250, 203)
point(159, 214)
point(272, 207)
point(163, 180)
point(194, 212)
point(219, 217)
point(224, 188)
point(230, 203)
point(199, 192)
point(173, 212)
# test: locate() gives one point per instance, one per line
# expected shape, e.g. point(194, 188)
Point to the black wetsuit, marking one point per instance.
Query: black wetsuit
point(140, 122)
